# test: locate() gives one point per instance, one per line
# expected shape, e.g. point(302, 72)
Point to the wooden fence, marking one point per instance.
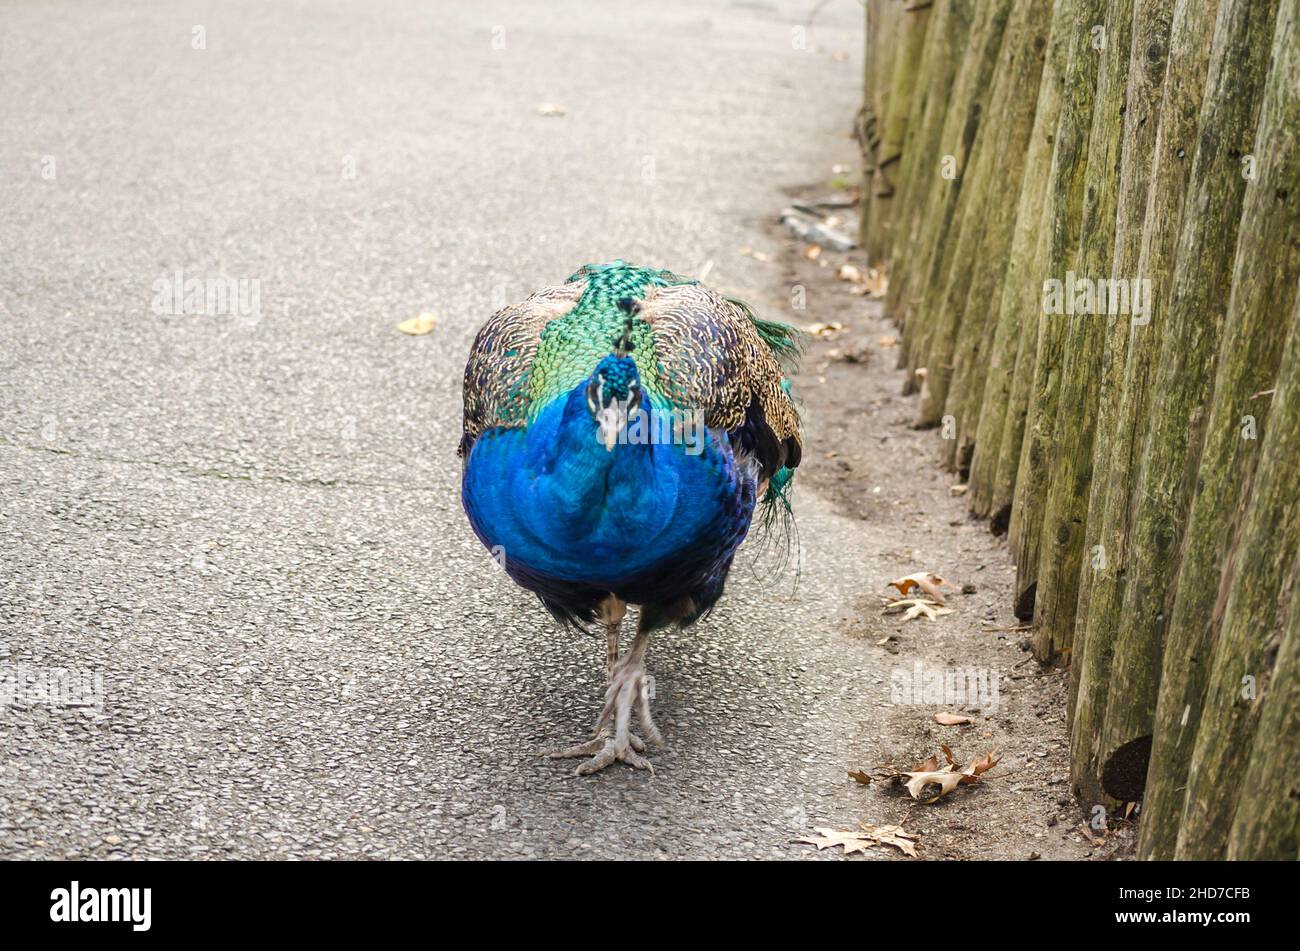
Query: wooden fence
point(1090, 215)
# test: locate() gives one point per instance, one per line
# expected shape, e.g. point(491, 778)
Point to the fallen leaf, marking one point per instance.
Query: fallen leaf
point(888, 342)
point(812, 252)
point(863, 778)
point(947, 778)
point(892, 835)
point(927, 581)
point(829, 838)
point(876, 282)
point(951, 719)
point(957, 490)
point(926, 609)
point(552, 109)
point(873, 283)
point(859, 355)
point(416, 326)
point(1087, 834)
point(828, 331)
point(982, 765)
point(863, 839)
point(928, 764)
point(914, 608)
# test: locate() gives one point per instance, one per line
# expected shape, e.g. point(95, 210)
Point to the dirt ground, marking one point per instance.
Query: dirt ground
point(866, 457)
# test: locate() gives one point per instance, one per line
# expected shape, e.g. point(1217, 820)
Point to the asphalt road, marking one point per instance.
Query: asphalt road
point(240, 533)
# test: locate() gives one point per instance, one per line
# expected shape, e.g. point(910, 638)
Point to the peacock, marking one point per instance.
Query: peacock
point(622, 431)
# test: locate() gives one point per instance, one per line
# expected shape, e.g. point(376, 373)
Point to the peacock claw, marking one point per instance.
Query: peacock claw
point(614, 740)
point(608, 754)
point(594, 746)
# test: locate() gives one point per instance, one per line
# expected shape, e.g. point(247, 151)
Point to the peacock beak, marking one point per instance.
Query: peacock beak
point(610, 421)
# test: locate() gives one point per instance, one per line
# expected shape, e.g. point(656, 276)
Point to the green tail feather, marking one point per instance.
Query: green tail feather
point(778, 489)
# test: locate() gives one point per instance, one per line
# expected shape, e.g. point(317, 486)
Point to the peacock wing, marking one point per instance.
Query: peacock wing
point(496, 374)
point(712, 354)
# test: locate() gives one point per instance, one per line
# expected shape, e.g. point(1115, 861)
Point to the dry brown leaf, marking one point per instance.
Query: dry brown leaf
point(947, 778)
point(927, 581)
point(914, 608)
point(892, 835)
point(829, 838)
point(812, 252)
point(888, 342)
point(927, 609)
point(982, 765)
point(1087, 834)
point(952, 719)
point(416, 326)
point(828, 331)
point(849, 272)
point(863, 778)
point(864, 839)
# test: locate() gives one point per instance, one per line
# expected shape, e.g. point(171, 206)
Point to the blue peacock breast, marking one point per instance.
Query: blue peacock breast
point(657, 511)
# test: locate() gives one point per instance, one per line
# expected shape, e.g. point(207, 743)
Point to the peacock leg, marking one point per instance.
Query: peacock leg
point(629, 690)
point(612, 612)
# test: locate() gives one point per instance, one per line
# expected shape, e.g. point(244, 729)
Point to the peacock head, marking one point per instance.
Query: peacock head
point(613, 393)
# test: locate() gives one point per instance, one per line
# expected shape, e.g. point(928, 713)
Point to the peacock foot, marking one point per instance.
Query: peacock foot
point(613, 740)
point(594, 746)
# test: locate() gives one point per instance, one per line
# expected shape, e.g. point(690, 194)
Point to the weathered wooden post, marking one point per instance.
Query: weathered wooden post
point(906, 37)
point(1069, 467)
point(1016, 299)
